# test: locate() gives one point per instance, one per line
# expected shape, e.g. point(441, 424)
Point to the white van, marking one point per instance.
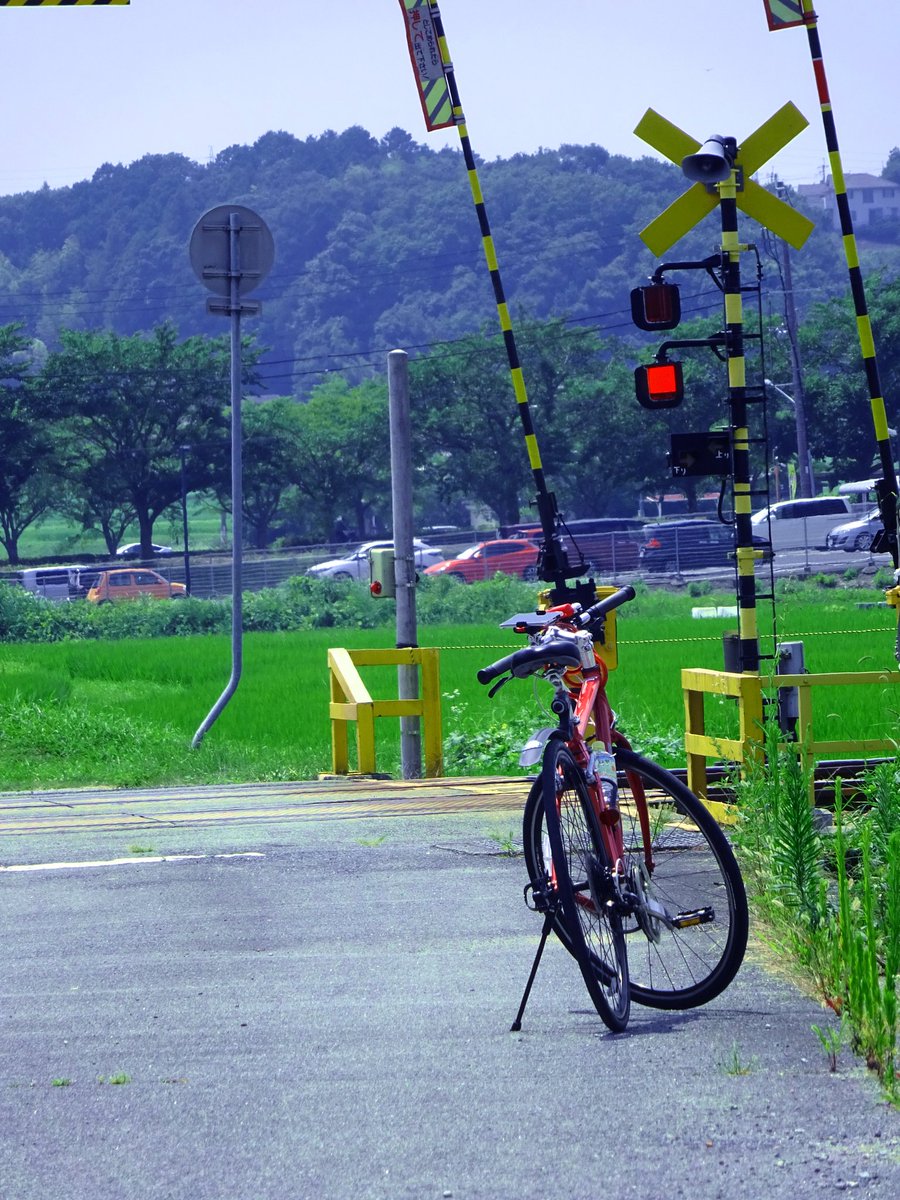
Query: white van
point(799, 523)
point(54, 583)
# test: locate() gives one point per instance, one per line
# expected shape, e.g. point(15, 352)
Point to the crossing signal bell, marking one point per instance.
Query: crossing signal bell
point(659, 385)
point(382, 581)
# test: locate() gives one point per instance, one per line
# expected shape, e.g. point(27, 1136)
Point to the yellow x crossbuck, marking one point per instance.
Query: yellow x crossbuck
point(699, 200)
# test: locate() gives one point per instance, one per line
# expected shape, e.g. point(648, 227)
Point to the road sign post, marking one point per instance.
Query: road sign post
point(232, 251)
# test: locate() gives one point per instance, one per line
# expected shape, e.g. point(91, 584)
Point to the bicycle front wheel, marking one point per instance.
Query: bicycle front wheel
point(688, 934)
point(579, 868)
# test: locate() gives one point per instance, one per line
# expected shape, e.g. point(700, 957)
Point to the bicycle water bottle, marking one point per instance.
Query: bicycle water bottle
point(605, 769)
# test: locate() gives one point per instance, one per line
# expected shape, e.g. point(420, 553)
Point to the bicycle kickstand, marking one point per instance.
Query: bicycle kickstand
point(548, 924)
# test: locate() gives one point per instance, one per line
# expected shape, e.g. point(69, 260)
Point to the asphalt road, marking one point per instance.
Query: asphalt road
point(318, 1005)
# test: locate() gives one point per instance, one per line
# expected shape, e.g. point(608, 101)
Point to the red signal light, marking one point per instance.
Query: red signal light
point(375, 587)
point(656, 306)
point(659, 385)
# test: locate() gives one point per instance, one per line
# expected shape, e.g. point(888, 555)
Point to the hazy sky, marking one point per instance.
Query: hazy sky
point(85, 86)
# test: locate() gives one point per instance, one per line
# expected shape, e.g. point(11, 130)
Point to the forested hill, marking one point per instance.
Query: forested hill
point(377, 245)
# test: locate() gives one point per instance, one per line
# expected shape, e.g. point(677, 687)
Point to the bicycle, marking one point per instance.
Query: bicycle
point(626, 865)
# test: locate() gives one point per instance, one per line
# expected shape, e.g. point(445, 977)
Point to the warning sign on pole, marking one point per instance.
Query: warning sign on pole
point(425, 53)
point(57, 3)
point(782, 14)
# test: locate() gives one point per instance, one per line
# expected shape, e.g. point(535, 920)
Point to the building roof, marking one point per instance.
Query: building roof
point(852, 183)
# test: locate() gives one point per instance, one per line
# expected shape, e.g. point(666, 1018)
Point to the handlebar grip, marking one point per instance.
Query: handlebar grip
point(487, 674)
point(602, 607)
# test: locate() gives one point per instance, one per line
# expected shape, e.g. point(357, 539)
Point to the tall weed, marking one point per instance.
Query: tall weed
point(830, 898)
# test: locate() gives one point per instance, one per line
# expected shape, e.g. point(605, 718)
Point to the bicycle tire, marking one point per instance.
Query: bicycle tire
point(581, 871)
point(694, 868)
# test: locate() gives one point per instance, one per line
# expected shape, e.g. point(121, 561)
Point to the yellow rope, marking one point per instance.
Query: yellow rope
point(680, 641)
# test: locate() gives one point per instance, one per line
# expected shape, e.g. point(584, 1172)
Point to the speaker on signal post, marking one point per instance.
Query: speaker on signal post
point(713, 162)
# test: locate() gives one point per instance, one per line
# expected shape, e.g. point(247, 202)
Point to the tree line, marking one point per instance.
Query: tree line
point(376, 246)
point(107, 428)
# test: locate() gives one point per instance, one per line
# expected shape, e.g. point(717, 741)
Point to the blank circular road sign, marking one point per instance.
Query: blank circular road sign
point(210, 249)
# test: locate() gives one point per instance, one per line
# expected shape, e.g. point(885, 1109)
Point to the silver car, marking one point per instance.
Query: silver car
point(356, 565)
point(855, 535)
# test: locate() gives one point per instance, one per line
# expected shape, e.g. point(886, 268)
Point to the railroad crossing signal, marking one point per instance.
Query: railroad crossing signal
point(659, 385)
point(700, 199)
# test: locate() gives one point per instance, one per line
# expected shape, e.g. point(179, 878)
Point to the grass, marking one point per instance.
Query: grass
point(123, 713)
point(58, 536)
point(734, 1064)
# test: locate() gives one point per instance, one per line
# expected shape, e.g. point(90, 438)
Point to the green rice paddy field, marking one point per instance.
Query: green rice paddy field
point(123, 713)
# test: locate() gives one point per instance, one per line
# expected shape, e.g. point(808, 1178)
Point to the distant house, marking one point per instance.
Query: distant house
point(871, 199)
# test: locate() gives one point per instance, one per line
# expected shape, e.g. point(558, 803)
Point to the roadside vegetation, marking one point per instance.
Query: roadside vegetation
point(824, 884)
point(113, 695)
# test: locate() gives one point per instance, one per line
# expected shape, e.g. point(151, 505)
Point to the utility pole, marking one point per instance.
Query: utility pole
point(805, 482)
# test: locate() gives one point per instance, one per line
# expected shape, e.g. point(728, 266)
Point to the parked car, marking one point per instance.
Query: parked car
point(855, 535)
point(512, 556)
point(690, 544)
point(133, 549)
point(356, 565)
point(53, 583)
point(131, 584)
point(605, 543)
point(801, 522)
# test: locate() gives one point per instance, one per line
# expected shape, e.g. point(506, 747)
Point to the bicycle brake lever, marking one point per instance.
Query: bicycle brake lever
point(498, 685)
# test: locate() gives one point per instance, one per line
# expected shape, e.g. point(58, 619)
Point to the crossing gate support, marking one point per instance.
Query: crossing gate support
point(351, 701)
point(748, 747)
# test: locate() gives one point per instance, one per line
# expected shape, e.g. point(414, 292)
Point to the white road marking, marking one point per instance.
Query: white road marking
point(125, 862)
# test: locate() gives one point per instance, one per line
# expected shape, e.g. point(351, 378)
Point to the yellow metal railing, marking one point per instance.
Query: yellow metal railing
point(351, 701)
point(749, 691)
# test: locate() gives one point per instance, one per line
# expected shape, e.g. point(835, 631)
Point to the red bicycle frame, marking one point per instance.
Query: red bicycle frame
point(587, 688)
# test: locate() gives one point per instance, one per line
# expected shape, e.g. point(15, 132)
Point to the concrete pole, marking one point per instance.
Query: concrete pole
point(404, 553)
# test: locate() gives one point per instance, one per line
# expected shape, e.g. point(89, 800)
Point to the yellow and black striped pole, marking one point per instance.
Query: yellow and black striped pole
point(887, 489)
point(740, 435)
point(553, 562)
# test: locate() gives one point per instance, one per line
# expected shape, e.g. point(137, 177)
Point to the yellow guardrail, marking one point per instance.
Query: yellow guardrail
point(750, 692)
point(351, 702)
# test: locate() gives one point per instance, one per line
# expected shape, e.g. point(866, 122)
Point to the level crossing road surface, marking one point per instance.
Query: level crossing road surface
point(282, 992)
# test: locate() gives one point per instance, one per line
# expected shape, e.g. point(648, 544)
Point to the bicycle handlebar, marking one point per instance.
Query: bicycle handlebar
point(527, 660)
point(602, 607)
point(523, 662)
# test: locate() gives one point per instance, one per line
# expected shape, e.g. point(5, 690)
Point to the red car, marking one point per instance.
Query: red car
point(513, 556)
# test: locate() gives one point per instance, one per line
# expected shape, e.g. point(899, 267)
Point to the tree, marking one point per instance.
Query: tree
point(470, 432)
point(342, 456)
point(841, 429)
point(270, 450)
point(29, 482)
point(129, 403)
point(892, 166)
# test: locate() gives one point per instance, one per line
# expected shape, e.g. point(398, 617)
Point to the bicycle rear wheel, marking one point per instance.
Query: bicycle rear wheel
point(694, 872)
point(579, 867)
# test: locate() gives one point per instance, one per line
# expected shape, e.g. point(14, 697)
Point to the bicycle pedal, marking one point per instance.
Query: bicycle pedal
point(700, 916)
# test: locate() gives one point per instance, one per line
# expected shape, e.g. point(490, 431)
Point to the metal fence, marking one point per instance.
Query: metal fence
point(800, 552)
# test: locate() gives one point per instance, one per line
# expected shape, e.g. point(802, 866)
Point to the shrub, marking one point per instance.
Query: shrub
point(700, 587)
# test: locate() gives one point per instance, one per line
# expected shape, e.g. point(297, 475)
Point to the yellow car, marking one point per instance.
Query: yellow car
point(131, 584)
